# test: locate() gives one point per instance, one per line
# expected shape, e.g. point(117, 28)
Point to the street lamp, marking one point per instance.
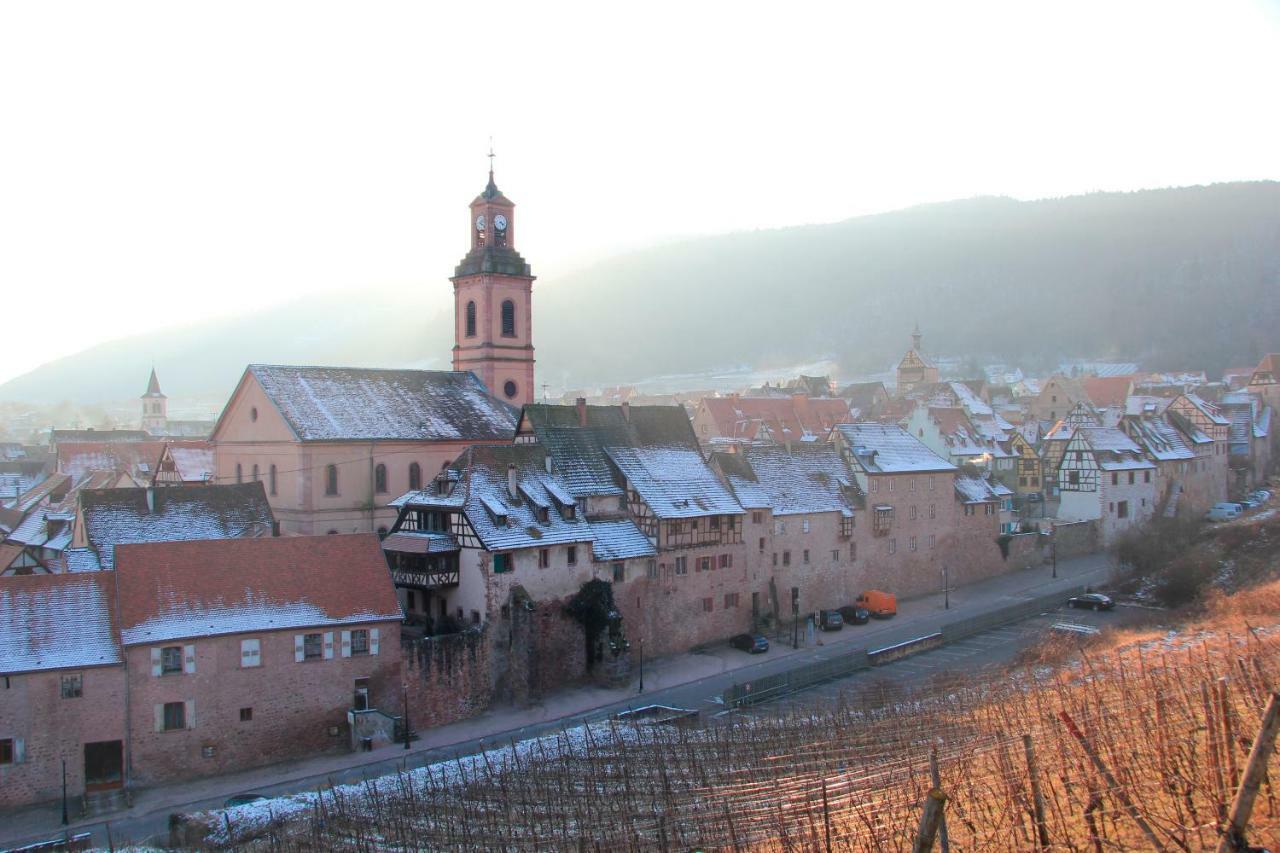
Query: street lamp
point(404, 686)
point(641, 690)
point(1053, 548)
point(64, 792)
point(946, 588)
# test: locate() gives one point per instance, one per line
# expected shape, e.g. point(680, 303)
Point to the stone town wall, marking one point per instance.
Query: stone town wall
point(448, 676)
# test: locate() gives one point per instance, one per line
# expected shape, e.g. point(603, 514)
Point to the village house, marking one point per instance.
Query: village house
point(244, 652)
point(951, 434)
point(777, 420)
point(1186, 481)
point(107, 518)
point(803, 502)
point(1265, 380)
point(185, 465)
point(1027, 476)
point(1105, 477)
point(866, 399)
point(1249, 440)
point(1058, 395)
point(62, 688)
point(1214, 456)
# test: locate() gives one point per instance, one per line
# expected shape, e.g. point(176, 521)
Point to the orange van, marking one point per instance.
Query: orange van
point(881, 605)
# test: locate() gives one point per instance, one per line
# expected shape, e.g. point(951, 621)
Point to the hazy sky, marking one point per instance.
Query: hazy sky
point(164, 162)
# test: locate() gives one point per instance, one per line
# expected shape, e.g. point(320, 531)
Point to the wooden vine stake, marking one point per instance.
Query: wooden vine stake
point(1254, 771)
point(1112, 784)
point(1037, 798)
point(930, 820)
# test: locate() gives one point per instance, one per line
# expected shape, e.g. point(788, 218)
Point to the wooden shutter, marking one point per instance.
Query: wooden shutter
point(159, 715)
point(190, 713)
point(189, 658)
point(299, 648)
point(328, 645)
point(19, 750)
point(373, 641)
point(250, 653)
point(346, 644)
point(157, 668)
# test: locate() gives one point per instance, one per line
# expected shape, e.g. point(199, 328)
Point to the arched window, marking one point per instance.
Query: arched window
point(239, 473)
point(255, 472)
point(415, 476)
point(380, 479)
point(271, 474)
point(331, 479)
point(508, 319)
point(471, 319)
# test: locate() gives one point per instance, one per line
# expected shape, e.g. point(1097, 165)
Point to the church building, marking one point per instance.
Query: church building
point(334, 445)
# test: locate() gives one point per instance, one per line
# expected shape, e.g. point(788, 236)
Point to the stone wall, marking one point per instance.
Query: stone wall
point(1076, 538)
point(448, 676)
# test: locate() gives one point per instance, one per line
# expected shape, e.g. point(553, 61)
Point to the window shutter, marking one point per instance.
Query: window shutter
point(299, 648)
point(346, 644)
point(250, 653)
point(156, 667)
point(328, 645)
point(373, 641)
point(159, 715)
point(19, 750)
point(190, 713)
point(189, 658)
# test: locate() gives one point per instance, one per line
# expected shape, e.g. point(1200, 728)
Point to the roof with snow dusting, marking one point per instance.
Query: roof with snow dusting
point(57, 622)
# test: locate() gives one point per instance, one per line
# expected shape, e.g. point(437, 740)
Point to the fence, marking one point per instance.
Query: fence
point(781, 684)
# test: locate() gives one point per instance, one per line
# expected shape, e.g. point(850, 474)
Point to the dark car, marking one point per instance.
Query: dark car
point(242, 800)
point(756, 644)
point(855, 615)
point(1092, 601)
point(830, 620)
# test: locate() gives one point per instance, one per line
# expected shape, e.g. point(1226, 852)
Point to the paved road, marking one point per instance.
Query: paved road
point(149, 818)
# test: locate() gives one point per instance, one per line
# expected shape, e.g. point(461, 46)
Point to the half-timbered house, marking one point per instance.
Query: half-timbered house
point(1105, 476)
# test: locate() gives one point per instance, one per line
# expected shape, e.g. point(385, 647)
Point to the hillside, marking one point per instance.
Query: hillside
point(1177, 278)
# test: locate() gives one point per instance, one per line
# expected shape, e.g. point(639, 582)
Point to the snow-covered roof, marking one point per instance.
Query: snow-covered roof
point(532, 517)
point(675, 482)
point(420, 542)
point(1113, 450)
point(362, 404)
point(193, 464)
point(1159, 437)
point(975, 490)
point(81, 560)
point(178, 590)
point(59, 621)
point(618, 539)
point(806, 479)
point(1209, 410)
point(117, 516)
point(889, 449)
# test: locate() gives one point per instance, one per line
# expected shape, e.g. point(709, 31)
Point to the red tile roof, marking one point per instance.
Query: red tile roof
point(57, 622)
point(787, 418)
point(1105, 391)
point(176, 590)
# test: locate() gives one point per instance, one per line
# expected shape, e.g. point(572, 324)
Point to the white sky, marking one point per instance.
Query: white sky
point(161, 163)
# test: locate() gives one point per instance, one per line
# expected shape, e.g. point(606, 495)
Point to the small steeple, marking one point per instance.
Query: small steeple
point(153, 386)
point(491, 191)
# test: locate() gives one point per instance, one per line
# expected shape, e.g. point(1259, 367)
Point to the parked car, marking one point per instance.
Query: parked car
point(855, 615)
point(242, 800)
point(756, 644)
point(1222, 512)
point(881, 605)
point(1247, 503)
point(1035, 497)
point(1092, 601)
point(830, 620)
point(1261, 496)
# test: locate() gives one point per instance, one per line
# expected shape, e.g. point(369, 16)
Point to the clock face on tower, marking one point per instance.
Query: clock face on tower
point(500, 222)
point(480, 222)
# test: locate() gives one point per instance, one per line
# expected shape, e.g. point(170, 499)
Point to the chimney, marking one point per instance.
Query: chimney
point(151, 500)
point(581, 404)
point(512, 487)
point(547, 462)
point(626, 411)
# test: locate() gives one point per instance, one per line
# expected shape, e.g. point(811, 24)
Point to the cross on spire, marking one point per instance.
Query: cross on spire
point(491, 156)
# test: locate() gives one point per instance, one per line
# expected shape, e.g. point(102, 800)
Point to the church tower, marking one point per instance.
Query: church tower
point(493, 300)
point(155, 418)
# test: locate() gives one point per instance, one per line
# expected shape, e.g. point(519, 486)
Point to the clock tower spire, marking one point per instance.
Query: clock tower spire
point(493, 300)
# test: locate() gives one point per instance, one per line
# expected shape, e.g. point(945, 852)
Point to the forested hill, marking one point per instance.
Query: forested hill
point(1177, 278)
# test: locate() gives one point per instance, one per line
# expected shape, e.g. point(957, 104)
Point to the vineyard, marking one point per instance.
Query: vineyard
point(1140, 746)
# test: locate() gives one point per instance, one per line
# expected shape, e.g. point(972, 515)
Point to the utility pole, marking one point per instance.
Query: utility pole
point(405, 687)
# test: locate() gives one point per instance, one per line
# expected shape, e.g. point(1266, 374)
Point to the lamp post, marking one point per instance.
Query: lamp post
point(1053, 548)
point(64, 792)
point(641, 690)
point(404, 686)
point(946, 588)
